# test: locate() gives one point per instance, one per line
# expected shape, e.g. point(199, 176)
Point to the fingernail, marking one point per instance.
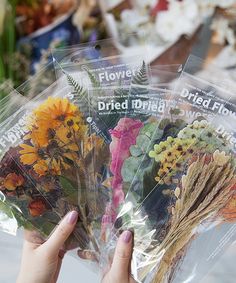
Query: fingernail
point(126, 236)
point(72, 217)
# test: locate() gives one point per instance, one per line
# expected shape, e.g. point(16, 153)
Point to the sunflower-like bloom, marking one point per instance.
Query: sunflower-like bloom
point(54, 111)
point(55, 117)
point(56, 138)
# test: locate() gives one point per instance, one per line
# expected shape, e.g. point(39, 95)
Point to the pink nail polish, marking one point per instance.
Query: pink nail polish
point(72, 217)
point(126, 236)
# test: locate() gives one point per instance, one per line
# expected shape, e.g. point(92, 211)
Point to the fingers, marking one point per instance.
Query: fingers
point(59, 264)
point(33, 239)
point(121, 262)
point(61, 234)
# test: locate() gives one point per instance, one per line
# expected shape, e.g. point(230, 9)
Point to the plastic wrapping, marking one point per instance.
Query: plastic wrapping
point(114, 108)
point(127, 151)
point(98, 75)
point(83, 53)
point(44, 150)
point(8, 105)
point(163, 75)
point(44, 77)
point(90, 70)
point(201, 142)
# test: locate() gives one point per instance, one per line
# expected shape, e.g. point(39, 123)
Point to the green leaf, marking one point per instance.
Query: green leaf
point(79, 90)
point(135, 151)
point(94, 81)
point(12, 211)
point(6, 209)
point(152, 131)
point(140, 79)
point(69, 190)
point(143, 142)
point(148, 129)
point(130, 167)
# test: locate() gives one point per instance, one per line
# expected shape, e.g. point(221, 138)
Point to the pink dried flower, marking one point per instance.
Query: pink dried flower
point(123, 136)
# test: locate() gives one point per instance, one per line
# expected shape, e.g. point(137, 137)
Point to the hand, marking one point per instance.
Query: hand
point(120, 268)
point(41, 262)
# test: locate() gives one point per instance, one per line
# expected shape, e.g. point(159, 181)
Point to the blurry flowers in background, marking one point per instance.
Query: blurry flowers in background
point(179, 18)
point(27, 12)
point(161, 23)
point(26, 39)
point(88, 20)
point(224, 26)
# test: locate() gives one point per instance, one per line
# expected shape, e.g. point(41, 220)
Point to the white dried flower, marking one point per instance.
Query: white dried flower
point(132, 19)
point(143, 4)
point(223, 32)
point(220, 157)
point(181, 18)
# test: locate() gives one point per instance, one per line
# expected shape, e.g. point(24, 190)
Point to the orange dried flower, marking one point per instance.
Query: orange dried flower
point(56, 139)
point(229, 211)
point(37, 207)
point(13, 181)
point(54, 111)
point(29, 154)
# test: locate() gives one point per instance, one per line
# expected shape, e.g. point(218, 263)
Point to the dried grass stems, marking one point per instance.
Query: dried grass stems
point(205, 189)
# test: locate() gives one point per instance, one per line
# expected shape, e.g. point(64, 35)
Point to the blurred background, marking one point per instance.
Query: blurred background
point(169, 29)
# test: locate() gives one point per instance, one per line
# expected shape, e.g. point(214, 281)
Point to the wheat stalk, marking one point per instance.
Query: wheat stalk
point(206, 188)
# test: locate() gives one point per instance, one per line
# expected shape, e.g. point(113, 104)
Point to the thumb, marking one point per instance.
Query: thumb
point(61, 234)
point(121, 262)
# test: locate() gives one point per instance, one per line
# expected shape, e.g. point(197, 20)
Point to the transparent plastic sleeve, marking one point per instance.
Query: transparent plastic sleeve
point(45, 148)
point(43, 78)
point(85, 52)
point(206, 141)
point(98, 71)
point(115, 108)
point(11, 102)
point(163, 75)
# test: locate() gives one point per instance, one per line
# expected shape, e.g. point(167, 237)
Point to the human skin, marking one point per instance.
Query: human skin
point(42, 261)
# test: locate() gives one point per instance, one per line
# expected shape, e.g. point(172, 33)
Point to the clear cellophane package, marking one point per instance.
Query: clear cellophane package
point(184, 194)
point(116, 112)
point(102, 69)
point(85, 73)
point(40, 81)
point(82, 53)
point(34, 152)
point(109, 105)
point(45, 151)
point(162, 76)
point(9, 104)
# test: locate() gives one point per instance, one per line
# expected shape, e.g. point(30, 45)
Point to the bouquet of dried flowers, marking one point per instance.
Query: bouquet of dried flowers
point(126, 155)
point(48, 172)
